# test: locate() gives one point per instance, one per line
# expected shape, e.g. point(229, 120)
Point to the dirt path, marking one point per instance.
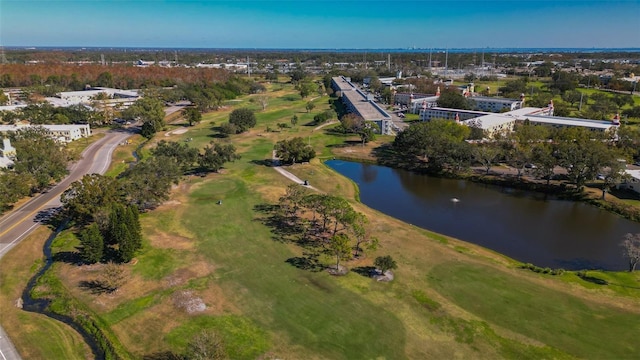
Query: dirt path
point(325, 124)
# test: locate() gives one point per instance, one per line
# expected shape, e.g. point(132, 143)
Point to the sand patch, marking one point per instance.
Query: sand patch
point(176, 132)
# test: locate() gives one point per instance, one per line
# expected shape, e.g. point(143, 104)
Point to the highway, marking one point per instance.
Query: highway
point(17, 224)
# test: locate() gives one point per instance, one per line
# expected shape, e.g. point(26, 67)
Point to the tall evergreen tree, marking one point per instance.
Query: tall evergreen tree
point(124, 231)
point(92, 244)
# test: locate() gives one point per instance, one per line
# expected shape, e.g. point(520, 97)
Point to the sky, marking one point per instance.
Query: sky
point(321, 24)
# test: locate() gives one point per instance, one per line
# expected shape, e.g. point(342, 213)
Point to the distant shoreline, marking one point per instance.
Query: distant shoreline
point(506, 50)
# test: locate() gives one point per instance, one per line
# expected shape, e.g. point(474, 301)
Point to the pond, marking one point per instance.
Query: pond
point(529, 227)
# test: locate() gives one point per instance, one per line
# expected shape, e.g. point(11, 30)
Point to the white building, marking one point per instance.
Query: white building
point(7, 154)
point(87, 96)
point(362, 104)
point(495, 104)
point(61, 133)
point(633, 181)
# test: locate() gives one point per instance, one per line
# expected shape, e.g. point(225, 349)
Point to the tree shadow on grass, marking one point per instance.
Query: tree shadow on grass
point(218, 134)
point(264, 162)
point(95, 287)
point(283, 230)
point(69, 257)
point(594, 280)
point(309, 262)
point(366, 271)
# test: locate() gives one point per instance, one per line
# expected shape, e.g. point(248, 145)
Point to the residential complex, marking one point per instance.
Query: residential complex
point(362, 104)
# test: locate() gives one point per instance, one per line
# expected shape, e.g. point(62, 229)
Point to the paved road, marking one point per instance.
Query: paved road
point(16, 225)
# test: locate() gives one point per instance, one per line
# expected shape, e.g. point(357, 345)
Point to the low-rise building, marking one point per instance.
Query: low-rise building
point(61, 133)
point(495, 104)
point(361, 104)
point(88, 96)
point(632, 182)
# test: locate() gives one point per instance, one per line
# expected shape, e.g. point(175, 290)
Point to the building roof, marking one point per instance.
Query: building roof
point(7, 128)
point(5, 162)
point(451, 110)
point(369, 110)
point(556, 120)
point(491, 121)
point(11, 107)
point(633, 173)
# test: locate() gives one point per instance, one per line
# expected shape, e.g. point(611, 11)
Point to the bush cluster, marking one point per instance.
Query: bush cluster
point(541, 270)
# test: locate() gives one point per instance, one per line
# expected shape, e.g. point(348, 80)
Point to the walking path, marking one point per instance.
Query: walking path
point(290, 176)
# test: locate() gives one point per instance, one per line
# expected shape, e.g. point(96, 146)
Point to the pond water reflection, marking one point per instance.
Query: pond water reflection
point(528, 227)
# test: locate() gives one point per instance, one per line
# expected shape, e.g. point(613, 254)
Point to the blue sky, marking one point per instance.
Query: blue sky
point(320, 24)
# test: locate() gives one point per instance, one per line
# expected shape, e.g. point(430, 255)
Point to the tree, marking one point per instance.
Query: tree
point(340, 248)
point(361, 231)
point(454, 100)
point(623, 99)
point(583, 153)
point(631, 246)
point(112, 276)
point(306, 88)
point(85, 198)
point(124, 231)
point(193, 115)
point(572, 96)
point(148, 183)
point(293, 200)
point(614, 174)
point(184, 155)
point(310, 106)
point(243, 119)
point(294, 120)
point(216, 155)
point(564, 81)
point(92, 244)
point(39, 156)
point(385, 263)
point(13, 186)
point(486, 154)
point(542, 156)
point(150, 111)
point(431, 141)
point(294, 150)
point(368, 132)
point(206, 345)
point(262, 100)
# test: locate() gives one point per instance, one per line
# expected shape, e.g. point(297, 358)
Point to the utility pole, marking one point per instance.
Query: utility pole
point(248, 68)
point(446, 61)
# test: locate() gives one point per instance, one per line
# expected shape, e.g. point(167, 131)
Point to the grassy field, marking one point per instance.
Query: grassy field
point(36, 336)
point(449, 300)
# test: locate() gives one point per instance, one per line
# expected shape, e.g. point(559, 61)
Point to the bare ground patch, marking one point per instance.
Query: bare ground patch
point(163, 240)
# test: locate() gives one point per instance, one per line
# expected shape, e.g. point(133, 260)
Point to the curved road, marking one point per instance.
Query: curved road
point(17, 224)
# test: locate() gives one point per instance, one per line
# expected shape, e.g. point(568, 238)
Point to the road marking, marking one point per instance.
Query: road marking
point(1, 353)
point(19, 237)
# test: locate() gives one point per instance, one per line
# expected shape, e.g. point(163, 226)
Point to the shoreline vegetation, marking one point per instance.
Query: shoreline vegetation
point(208, 242)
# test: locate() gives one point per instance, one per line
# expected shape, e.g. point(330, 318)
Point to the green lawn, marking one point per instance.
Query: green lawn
point(580, 328)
